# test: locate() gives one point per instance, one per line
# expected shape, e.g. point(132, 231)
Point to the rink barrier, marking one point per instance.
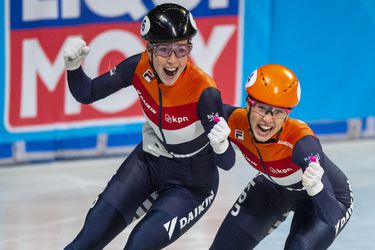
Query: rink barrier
point(107, 145)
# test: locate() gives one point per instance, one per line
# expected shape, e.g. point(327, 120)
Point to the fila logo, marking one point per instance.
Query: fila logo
point(148, 75)
point(239, 134)
point(170, 225)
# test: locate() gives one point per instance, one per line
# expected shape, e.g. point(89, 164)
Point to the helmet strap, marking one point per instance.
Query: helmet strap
point(151, 61)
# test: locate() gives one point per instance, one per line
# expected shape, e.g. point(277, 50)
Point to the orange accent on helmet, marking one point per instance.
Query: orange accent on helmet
point(274, 85)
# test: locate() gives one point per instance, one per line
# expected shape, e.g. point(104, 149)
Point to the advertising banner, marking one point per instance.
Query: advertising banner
point(37, 101)
point(41, 119)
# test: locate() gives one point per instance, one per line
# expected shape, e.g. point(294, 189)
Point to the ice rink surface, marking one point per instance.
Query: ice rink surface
point(42, 206)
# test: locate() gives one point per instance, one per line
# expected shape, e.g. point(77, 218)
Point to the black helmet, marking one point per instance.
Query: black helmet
point(168, 22)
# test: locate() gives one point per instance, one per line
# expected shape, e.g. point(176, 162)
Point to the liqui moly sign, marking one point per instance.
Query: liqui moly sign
point(37, 98)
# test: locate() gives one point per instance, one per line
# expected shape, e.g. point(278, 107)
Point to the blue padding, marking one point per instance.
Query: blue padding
point(364, 123)
point(5, 150)
point(77, 143)
point(35, 146)
point(116, 140)
point(330, 127)
point(130, 139)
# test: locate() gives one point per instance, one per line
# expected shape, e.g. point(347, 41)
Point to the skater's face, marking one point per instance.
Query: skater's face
point(169, 59)
point(265, 120)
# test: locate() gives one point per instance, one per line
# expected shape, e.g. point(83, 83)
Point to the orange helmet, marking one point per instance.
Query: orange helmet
point(274, 85)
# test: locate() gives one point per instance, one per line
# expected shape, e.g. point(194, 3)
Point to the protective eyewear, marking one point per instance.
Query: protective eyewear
point(165, 50)
point(263, 109)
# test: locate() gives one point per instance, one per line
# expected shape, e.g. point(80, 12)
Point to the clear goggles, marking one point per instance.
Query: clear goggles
point(263, 109)
point(165, 49)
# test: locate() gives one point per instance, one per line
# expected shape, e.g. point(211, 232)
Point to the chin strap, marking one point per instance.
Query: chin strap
point(155, 73)
point(164, 142)
point(261, 160)
point(254, 141)
point(151, 61)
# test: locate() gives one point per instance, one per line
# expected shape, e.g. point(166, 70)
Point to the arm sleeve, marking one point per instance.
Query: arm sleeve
point(209, 105)
point(86, 90)
point(327, 206)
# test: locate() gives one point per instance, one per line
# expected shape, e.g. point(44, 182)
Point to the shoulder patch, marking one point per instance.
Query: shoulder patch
point(148, 75)
point(239, 134)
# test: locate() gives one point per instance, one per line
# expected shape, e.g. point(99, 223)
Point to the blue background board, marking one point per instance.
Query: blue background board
point(328, 44)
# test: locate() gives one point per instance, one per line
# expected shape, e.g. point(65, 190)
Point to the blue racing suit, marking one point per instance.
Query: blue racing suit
point(277, 190)
point(174, 190)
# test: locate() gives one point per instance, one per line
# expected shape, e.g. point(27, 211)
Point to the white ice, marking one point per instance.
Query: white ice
point(42, 206)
